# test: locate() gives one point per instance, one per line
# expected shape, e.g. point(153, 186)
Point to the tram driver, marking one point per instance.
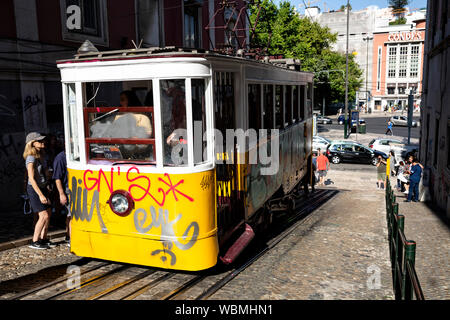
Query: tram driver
point(128, 125)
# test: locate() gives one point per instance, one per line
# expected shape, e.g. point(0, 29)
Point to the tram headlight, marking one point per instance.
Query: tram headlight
point(121, 203)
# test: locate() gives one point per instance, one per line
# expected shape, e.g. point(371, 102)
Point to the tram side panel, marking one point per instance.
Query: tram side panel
point(172, 225)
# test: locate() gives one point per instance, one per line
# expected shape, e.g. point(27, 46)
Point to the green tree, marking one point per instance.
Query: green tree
point(342, 8)
point(298, 37)
point(398, 7)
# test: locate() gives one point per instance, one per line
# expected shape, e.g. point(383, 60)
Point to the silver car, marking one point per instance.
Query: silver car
point(402, 121)
point(320, 143)
point(387, 145)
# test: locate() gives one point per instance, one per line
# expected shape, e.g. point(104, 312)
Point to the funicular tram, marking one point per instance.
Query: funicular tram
point(152, 178)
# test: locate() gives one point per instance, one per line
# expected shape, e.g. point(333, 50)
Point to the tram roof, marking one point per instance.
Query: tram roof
point(174, 52)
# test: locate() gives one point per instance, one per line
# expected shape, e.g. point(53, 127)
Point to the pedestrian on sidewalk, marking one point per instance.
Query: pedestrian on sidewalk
point(389, 128)
point(381, 173)
point(415, 174)
point(323, 164)
point(401, 177)
point(37, 187)
point(62, 185)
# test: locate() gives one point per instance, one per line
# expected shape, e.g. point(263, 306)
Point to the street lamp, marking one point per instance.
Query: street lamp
point(368, 38)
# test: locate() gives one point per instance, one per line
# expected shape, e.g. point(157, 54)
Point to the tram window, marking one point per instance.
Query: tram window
point(302, 102)
point(173, 114)
point(254, 106)
point(117, 125)
point(268, 106)
point(288, 105)
point(198, 87)
point(278, 107)
point(295, 103)
point(74, 143)
point(309, 98)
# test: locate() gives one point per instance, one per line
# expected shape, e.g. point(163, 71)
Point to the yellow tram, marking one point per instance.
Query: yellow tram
point(151, 183)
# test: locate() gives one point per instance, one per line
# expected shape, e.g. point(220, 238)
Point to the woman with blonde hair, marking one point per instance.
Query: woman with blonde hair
point(37, 188)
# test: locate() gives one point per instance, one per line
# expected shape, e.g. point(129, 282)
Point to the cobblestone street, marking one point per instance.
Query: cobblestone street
point(335, 255)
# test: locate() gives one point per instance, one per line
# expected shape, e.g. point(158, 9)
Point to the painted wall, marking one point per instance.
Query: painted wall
point(434, 145)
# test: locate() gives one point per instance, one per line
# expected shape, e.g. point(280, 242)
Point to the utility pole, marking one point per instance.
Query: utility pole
point(323, 107)
point(346, 74)
point(367, 71)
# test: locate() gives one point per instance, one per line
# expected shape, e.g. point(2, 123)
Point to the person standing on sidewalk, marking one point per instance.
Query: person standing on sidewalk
point(323, 165)
point(61, 181)
point(414, 180)
point(381, 173)
point(37, 187)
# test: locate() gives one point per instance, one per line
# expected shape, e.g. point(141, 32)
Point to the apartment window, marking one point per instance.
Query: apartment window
point(149, 24)
point(392, 67)
point(401, 90)
point(391, 90)
point(191, 23)
point(93, 21)
point(414, 65)
point(403, 62)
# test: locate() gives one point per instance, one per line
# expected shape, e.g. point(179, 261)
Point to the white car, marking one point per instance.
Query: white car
point(402, 121)
point(320, 143)
point(387, 145)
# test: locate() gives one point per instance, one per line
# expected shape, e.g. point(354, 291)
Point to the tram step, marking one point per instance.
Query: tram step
point(239, 245)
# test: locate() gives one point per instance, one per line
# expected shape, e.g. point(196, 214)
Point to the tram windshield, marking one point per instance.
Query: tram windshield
point(119, 122)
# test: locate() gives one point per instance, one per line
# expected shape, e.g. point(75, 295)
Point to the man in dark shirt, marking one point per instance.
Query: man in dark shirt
point(415, 173)
point(60, 177)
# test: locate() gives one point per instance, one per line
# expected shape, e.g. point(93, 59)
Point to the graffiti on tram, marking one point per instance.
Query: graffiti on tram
point(140, 188)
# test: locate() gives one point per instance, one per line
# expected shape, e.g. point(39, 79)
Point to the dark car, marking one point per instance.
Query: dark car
point(345, 151)
point(340, 120)
point(324, 120)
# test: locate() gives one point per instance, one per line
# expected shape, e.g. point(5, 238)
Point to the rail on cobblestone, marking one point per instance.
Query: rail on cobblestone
point(402, 253)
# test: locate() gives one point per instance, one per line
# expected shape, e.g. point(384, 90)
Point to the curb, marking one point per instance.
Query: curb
point(24, 241)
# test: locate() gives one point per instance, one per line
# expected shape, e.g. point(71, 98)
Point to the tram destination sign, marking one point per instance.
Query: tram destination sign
point(405, 36)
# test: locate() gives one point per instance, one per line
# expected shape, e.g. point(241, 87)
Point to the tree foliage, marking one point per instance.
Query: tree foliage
point(298, 37)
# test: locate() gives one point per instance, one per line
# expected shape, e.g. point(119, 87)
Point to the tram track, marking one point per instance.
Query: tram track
point(146, 279)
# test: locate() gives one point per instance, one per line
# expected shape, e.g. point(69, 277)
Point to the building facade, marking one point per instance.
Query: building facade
point(367, 29)
point(34, 34)
point(397, 65)
point(435, 107)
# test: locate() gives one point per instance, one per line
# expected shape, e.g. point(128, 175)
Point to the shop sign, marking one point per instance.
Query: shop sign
point(404, 36)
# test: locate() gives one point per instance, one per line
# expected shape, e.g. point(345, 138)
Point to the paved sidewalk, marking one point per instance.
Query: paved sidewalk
point(431, 231)
point(342, 252)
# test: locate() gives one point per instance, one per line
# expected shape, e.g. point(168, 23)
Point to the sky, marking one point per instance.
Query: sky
point(356, 4)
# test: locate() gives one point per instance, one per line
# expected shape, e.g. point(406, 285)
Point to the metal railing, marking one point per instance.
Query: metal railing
point(402, 252)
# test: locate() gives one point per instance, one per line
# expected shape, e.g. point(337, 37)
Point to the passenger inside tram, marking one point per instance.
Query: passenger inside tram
point(173, 109)
point(126, 125)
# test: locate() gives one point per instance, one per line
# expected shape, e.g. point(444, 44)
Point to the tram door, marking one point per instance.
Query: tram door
point(230, 208)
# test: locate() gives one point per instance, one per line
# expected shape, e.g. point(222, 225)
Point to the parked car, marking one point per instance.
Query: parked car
point(400, 149)
point(402, 121)
point(324, 120)
point(348, 151)
point(340, 120)
point(320, 143)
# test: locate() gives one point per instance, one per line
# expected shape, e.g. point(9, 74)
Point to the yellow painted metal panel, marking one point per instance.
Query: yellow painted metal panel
point(172, 225)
